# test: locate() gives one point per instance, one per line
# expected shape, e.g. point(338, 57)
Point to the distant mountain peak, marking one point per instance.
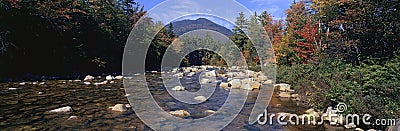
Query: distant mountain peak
point(184, 26)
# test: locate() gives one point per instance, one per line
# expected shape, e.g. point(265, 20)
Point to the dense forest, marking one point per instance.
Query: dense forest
point(330, 50)
point(64, 37)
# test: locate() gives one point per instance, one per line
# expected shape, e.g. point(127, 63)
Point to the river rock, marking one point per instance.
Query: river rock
point(74, 118)
point(12, 88)
point(209, 111)
point(255, 85)
point(284, 95)
point(350, 126)
point(62, 110)
point(312, 112)
point(119, 77)
point(359, 129)
point(178, 88)
point(119, 108)
point(86, 83)
point(191, 74)
point(179, 75)
point(295, 95)
point(205, 81)
point(235, 83)
point(109, 77)
point(88, 78)
point(180, 113)
point(100, 83)
point(224, 85)
point(210, 73)
point(283, 87)
point(200, 98)
point(246, 86)
point(268, 82)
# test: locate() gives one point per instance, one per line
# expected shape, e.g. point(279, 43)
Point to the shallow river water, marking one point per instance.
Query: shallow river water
point(26, 107)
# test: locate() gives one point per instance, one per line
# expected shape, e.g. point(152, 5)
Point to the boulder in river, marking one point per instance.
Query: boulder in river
point(119, 77)
point(235, 83)
point(109, 77)
point(88, 78)
point(178, 88)
point(62, 110)
point(180, 113)
point(119, 108)
point(210, 73)
point(255, 85)
point(224, 85)
point(180, 75)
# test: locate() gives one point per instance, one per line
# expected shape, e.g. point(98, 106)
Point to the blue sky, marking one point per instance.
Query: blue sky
point(275, 7)
point(193, 9)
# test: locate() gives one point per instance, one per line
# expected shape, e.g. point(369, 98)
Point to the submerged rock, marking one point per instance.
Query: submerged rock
point(200, 98)
point(62, 110)
point(209, 111)
point(74, 118)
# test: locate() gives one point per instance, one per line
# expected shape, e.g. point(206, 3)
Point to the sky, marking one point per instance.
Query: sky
point(275, 7)
point(166, 11)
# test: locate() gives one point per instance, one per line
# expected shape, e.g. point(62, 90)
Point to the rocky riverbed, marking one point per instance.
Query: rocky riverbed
point(100, 103)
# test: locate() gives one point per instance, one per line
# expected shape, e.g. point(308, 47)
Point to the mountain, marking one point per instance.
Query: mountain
point(184, 26)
